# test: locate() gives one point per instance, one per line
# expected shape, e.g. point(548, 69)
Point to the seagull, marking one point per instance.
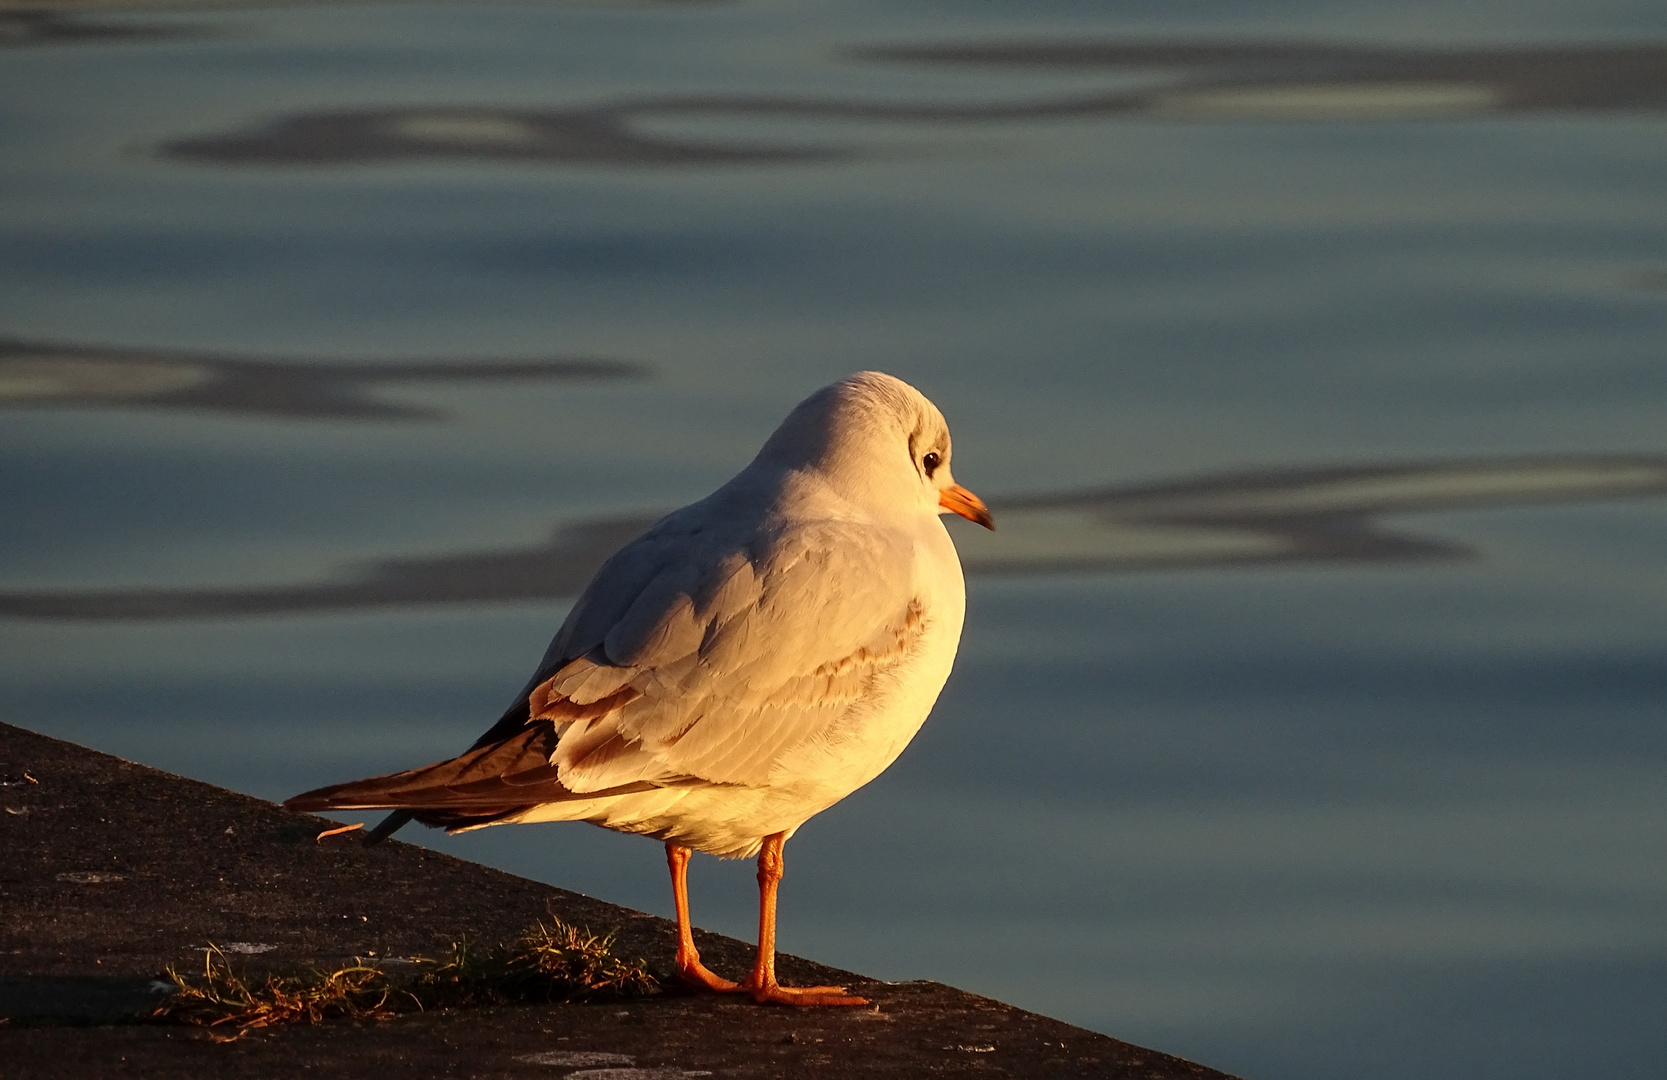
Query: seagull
point(746, 663)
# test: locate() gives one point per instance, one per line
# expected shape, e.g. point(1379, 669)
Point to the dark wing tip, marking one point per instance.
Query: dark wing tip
point(390, 825)
point(309, 801)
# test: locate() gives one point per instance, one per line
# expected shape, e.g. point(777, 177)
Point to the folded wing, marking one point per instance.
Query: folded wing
point(692, 659)
point(714, 673)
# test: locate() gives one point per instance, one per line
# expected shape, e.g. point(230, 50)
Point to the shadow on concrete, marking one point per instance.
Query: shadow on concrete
point(1283, 517)
point(1186, 81)
point(33, 375)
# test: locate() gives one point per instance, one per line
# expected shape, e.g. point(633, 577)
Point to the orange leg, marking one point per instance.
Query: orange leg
point(689, 967)
point(762, 982)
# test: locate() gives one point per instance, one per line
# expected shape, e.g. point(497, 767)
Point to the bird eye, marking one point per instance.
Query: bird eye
point(931, 462)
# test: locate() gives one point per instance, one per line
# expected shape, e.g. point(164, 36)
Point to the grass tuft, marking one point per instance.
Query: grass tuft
point(549, 962)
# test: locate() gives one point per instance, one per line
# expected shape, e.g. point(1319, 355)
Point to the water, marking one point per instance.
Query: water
point(1308, 717)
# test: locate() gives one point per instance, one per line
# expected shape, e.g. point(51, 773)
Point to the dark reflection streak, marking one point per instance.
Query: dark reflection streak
point(1267, 518)
point(34, 26)
point(601, 135)
point(1295, 81)
point(595, 136)
point(1325, 515)
point(550, 571)
point(1596, 77)
point(1375, 489)
point(34, 375)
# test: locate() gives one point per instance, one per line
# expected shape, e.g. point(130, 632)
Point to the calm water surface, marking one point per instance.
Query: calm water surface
point(1309, 716)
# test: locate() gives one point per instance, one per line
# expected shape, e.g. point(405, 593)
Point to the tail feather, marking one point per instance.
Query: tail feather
point(460, 780)
point(486, 784)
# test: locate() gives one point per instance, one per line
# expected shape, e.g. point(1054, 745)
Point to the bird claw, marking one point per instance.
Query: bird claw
point(804, 995)
point(696, 976)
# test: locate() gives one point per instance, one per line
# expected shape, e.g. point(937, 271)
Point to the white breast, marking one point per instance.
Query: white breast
point(878, 729)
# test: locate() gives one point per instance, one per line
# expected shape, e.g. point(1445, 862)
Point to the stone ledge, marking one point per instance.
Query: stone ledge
point(111, 871)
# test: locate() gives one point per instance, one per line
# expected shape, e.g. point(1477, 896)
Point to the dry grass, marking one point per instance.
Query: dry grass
point(549, 962)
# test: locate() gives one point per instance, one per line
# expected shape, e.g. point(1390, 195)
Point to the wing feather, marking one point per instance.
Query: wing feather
point(495, 779)
point(695, 656)
point(742, 662)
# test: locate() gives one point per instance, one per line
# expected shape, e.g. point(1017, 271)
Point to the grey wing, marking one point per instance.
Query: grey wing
point(662, 558)
point(693, 657)
point(727, 655)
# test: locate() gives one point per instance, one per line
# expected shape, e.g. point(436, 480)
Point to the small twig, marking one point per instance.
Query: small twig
point(319, 839)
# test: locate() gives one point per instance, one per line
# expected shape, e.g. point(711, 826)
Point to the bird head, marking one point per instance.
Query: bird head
point(880, 443)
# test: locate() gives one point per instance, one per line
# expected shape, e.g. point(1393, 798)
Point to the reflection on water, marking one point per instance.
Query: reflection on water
point(1313, 515)
point(596, 136)
point(1220, 82)
point(36, 374)
point(39, 26)
point(1293, 516)
point(1244, 80)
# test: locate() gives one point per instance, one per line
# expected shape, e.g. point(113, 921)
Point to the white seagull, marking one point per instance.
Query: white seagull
point(745, 664)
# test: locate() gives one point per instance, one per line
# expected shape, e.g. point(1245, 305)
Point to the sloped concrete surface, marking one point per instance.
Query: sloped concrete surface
point(110, 872)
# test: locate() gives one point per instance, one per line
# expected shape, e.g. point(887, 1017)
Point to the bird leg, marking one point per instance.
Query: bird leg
point(689, 967)
point(762, 982)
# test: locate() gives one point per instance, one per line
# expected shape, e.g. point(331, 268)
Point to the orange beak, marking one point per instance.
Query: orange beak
point(958, 500)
